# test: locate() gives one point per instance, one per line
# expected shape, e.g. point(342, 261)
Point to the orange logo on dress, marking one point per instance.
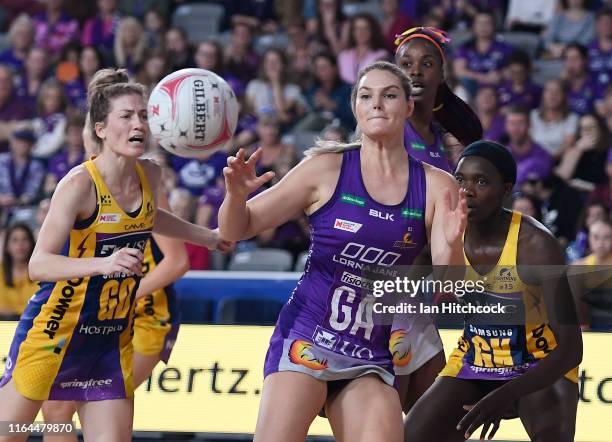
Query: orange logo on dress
point(400, 348)
point(301, 353)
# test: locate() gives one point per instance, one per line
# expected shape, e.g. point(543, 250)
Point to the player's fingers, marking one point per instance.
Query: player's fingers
point(255, 157)
point(260, 181)
point(477, 422)
point(240, 155)
point(469, 417)
point(494, 429)
point(130, 256)
point(130, 251)
point(485, 428)
point(462, 201)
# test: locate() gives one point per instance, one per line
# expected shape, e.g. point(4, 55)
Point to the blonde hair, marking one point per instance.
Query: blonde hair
point(324, 146)
point(120, 49)
point(22, 19)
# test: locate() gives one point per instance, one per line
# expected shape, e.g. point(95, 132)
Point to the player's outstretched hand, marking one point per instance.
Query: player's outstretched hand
point(455, 221)
point(240, 177)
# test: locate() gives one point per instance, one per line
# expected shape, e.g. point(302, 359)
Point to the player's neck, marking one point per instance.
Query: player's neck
point(422, 116)
point(117, 170)
point(385, 155)
point(494, 226)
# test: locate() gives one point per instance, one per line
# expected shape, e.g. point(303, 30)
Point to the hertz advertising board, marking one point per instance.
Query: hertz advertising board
point(214, 379)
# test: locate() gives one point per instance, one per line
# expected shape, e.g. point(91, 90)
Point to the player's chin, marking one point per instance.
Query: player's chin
point(133, 150)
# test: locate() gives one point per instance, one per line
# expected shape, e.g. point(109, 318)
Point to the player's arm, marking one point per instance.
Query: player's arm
point(241, 219)
point(173, 265)
point(446, 213)
point(74, 197)
point(540, 247)
point(168, 224)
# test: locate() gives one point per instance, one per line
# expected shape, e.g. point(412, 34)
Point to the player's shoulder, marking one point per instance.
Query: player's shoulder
point(436, 177)
point(319, 164)
point(77, 181)
point(537, 244)
point(151, 169)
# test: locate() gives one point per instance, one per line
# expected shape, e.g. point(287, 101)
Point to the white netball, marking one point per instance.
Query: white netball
point(192, 113)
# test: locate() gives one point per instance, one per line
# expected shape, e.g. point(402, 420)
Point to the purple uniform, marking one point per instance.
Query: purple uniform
point(496, 130)
point(326, 328)
point(581, 100)
point(433, 154)
point(529, 98)
point(600, 64)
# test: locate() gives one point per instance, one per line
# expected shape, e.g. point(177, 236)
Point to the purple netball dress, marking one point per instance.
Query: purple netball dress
point(433, 154)
point(326, 329)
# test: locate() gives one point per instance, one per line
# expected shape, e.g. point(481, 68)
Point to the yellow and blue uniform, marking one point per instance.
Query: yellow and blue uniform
point(157, 317)
point(504, 351)
point(74, 340)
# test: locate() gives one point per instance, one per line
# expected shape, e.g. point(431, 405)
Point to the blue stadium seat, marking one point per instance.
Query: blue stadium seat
point(371, 7)
point(525, 41)
point(544, 70)
point(248, 311)
point(199, 20)
point(195, 310)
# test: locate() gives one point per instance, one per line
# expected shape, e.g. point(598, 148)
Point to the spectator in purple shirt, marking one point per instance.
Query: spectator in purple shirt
point(100, 30)
point(196, 175)
point(600, 50)
point(241, 60)
point(487, 109)
point(36, 70)
point(21, 176)
point(155, 67)
point(529, 156)
point(583, 88)
point(90, 61)
point(481, 60)
point(12, 110)
point(54, 28)
point(50, 125)
point(519, 90)
point(209, 204)
point(180, 53)
point(73, 152)
point(21, 38)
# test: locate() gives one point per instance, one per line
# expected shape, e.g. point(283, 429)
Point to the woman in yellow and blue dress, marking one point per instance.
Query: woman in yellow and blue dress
point(523, 360)
point(74, 340)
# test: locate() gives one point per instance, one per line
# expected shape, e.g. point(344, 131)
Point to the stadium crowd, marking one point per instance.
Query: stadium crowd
point(536, 73)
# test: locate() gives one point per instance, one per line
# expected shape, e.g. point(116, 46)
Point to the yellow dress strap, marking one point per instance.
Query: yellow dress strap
point(510, 252)
point(101, 188)
point(144, 182)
